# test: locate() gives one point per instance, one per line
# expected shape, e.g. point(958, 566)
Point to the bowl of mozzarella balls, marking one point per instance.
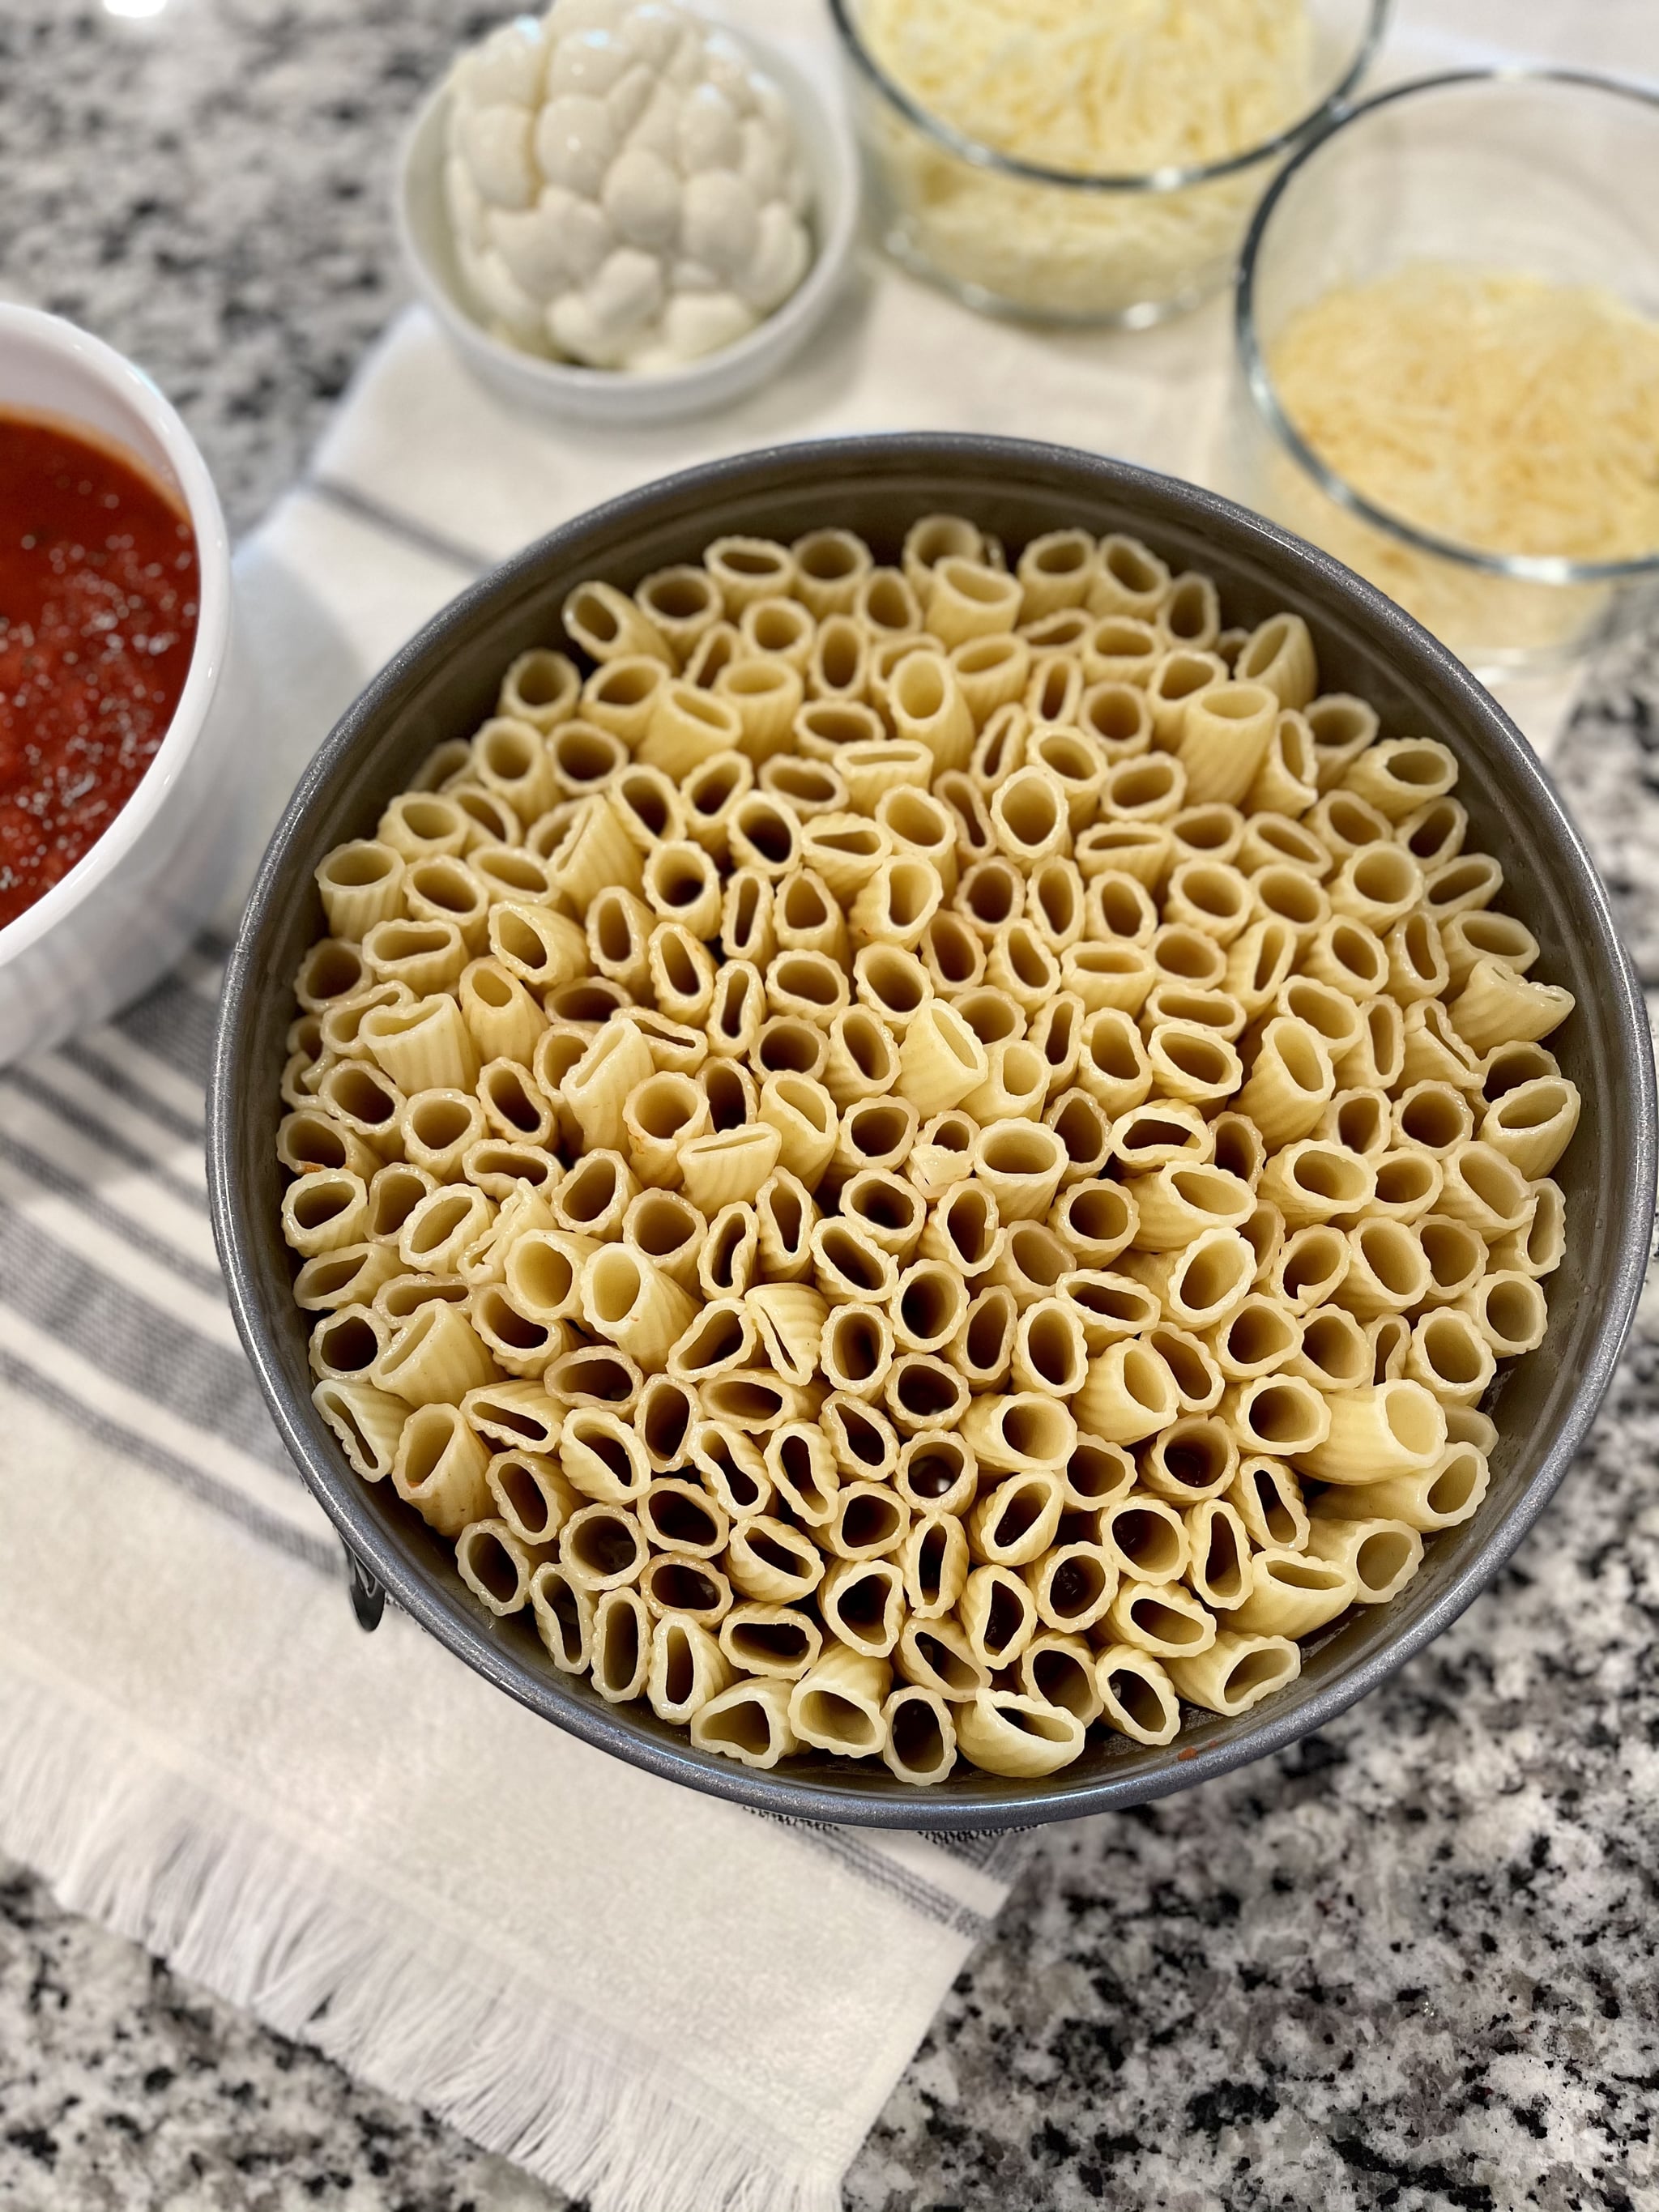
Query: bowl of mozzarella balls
point(930, 1131)
point(625, 214)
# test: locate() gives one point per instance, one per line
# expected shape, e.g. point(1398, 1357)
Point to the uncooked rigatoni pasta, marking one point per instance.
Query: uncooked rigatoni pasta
point(923, 1159)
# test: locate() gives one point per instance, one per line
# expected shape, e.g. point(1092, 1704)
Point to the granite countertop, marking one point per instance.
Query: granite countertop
point(1412, 1964)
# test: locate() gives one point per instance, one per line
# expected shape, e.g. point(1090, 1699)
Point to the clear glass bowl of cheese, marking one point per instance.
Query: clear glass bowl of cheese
point(1088, 165)
point(1448, 333)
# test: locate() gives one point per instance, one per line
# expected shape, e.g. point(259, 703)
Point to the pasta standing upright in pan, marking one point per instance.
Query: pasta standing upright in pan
point(927, 1155)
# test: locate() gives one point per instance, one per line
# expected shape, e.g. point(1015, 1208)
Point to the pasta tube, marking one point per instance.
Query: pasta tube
point(1137, 1696)
point(837, 1702)
point(1005, 1732)
point(439, 1468)
point(1391, 1428)
point(1382, 1556)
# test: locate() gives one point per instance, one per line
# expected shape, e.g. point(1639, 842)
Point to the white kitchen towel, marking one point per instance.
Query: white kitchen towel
point(661, 2002)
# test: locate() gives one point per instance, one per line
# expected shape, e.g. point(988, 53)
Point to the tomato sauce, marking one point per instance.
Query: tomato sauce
point(98, 604)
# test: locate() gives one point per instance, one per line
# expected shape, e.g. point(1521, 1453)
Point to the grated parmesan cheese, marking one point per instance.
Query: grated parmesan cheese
point(1119, 89)
point(1492, 409)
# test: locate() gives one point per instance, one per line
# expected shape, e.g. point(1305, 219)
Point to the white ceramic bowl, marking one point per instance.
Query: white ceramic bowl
point(616, 396)
point(132, 901)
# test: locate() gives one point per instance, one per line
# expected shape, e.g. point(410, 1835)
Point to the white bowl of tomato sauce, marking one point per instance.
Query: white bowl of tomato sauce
point(119, 704)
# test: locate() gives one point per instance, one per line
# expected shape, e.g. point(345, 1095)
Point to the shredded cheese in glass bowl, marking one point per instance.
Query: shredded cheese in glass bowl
point(1089, 166)
point(1450, 360)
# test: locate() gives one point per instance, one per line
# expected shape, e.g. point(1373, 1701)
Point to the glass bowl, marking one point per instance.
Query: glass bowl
point(1012, 237)
point(1527, 170)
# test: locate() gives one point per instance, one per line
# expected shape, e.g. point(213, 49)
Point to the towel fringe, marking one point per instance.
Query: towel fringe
point(137, 1846)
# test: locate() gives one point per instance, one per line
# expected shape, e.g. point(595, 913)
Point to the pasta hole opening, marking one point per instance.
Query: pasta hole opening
point(427, 1434)
point(616, 1286)
point(1083, 1129)
point(746, 1724)
point(1405, 1178)
point(647, 802)
point(604, 1545)
point(720, 1336)
point(856, 1345)
point(1076, 1587)
point(510, 1326)
point(1033, 1151)
point(586, 757)
point(589, 1191)
point(682, 1586)
point(925, 1393)
point(935, 1471)
point(930, 1557)
point(1212, 1275)
point(1533, 1108)
point(1455, 1484)
point(918, 1736)
point(824, 1713)
point(870, 1522)
point(1494, 1181)
point(1022, 1506)
point(742, 1400)
point(1150, 1543)
point(1165, 1623)
point(1385, 875)
point(1362, 1121)
point(1332, 1179)
point(1450, 1351)
point(1394, 1256)
point(1038, 1254)
point(863, 1600)
point(1255, 1672)
point(1036, 1429)
point(1259, 1332)
point(1194, 1461)
point(560, 1609)
point(1053, 1350)
point(1223, 1565)
point(810, 976)
point(989, 1332)
point(1276, 1516)
point(1283, 1417)
point(679, 1667)
point(1436, 1120)
point(1334, 1342)
point(493, 1565)
point(919, 687)
point(857, 1265)
point(664, 1421)
point(439, 1222)
point(666, 1224)
point(897, 981)
point(1299, 1573)
point(1183, 674)
point(347, 1343)
point(314, 1208)
point(887, 1204)
point(1383, 1558)
point(1514, 1311)
point(863, 1438)
point(1137, 1699)
point(1005, 1620)
point(781, 1643)
point(1093, 1472)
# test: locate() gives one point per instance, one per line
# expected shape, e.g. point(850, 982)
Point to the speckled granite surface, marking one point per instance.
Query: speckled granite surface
point(1413, 1964)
